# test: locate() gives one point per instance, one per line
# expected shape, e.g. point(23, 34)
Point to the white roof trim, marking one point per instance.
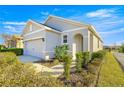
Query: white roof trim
point(32, 22)
point(43, 26)
point(35, 23)
point(48, 28)
point(39, 30)
point(66, 20)
point(32, 39)
point(75, 29)
point(95, 32)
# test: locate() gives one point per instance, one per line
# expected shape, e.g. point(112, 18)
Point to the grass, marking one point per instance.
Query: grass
point(111, 74)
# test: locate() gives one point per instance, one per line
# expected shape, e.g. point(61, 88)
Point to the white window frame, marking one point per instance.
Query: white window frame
point(63, 38)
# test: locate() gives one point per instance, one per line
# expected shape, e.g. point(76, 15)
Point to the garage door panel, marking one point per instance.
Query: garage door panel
point(34, 48)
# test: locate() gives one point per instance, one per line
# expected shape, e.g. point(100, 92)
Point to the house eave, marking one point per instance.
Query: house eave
point(92, 29)
point(76, 23)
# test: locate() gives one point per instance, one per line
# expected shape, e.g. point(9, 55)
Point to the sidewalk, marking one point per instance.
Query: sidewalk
point(119, 57)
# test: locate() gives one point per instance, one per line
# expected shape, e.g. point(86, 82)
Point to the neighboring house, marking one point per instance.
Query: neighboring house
point(40, 40)
point(112, 47)
point(14, 41)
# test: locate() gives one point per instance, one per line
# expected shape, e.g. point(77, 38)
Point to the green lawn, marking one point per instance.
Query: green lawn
point(111, 73)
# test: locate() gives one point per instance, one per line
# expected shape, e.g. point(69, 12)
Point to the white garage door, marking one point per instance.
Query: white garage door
point(34, 48)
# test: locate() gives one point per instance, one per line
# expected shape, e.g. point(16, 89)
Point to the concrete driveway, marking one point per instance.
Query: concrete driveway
point(27, 59)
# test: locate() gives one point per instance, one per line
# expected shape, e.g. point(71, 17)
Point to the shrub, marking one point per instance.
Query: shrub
point(56, 61)
point(88, 78)
point(67, 64)
point(17, 51)
point(7, 58)
point(121, 49)
point(86, 58)
point(60, 51)
point(2, 47)
point(14, 74)
point(93, 67)
point(79, 58)
point(98, 55)
point(24, 75)
point(103, 52)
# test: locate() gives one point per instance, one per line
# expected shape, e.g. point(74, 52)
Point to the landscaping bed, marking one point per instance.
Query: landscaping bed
point(49, 63)
point(86, 78)
point(13, 73)
point(85, 73)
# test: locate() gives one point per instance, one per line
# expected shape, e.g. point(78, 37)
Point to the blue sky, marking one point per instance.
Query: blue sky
point(108, 20)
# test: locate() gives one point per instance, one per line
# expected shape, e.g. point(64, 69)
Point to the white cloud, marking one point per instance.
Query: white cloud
point(101, 13)
point(55, 9)
point(10, 28)
point(45, 13)
point(113, 31)
point(14, 23)
point(120, 42)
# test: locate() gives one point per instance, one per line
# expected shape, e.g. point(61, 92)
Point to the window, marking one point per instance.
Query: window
point(30, 27)
point(65, 39)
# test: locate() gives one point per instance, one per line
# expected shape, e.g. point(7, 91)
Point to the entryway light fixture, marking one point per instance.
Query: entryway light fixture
point(43, 39)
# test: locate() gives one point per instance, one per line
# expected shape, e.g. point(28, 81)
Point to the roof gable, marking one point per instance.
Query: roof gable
point(35, 26)
point(62, 24)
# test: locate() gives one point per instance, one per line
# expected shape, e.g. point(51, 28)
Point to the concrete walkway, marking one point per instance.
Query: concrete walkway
point(55, 71)
point(59, 69)
point(119, 57)
point(41, 68)
point(27, 59)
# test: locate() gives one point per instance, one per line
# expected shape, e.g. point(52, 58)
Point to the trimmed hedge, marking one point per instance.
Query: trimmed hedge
point(79, 59)
point(98, 55)
point(7, 58)
point(86, 58)
point(24, 75)
point(17, 51)
point(82, 59)
point(121, 49)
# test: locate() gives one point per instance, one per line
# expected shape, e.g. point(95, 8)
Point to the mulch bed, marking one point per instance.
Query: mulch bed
point(48, 63)
point(87, 78)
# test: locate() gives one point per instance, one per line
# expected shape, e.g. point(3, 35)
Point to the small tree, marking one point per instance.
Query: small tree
point(6, 37)
point(60, 51)
point(79, 58)
point(121, 49)
point(67, 63)
point(0, 47)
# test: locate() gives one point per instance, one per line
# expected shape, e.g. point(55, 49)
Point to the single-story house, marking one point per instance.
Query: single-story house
point(40, 39)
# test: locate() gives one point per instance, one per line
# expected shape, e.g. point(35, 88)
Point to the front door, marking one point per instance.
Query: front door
point(77, 45)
